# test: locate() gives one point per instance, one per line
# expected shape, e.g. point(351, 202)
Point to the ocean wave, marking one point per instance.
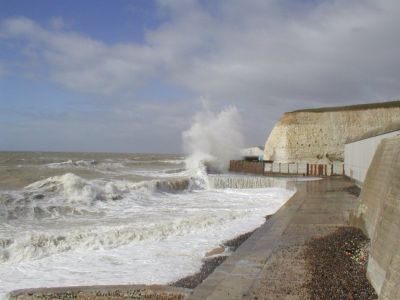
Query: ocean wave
point(71, 163)
point(126, 166)
point(105, 167)
point(173, 161)
point(75, 189)
point(166, 173)
point(70, 194)
point(156, 161)
point(38, 244)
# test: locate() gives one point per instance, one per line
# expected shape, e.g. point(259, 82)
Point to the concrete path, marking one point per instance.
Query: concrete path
point(270, 264)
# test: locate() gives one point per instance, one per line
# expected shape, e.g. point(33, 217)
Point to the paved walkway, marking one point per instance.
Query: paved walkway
point(270, 264)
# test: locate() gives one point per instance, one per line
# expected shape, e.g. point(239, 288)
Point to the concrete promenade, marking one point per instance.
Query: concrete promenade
point(270, 264)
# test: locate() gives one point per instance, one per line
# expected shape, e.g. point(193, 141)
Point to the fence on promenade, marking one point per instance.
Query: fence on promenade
point(243, 166)
point(283, 169)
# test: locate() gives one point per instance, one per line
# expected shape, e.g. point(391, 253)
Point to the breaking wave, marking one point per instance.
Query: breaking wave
point(71, 163)
point(110, 164)
point(35, 245)
point(70, 194)
point(148, 231)
point(213, 140)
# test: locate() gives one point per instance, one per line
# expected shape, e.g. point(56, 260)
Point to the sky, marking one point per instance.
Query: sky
point(130, 75)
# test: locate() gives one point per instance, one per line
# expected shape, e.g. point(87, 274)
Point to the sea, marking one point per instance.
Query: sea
point(70, 219)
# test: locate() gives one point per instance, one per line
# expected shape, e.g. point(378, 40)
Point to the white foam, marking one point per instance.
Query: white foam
point(213, 138)
point(153, 239)
point(105, 167)
point(166, 173)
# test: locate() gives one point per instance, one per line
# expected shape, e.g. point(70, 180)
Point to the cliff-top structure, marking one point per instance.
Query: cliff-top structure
point(319, 135)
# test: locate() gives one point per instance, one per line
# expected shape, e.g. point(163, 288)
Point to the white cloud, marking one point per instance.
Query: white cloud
point(83, 64)
point(266, 57)
point(252, 50)
point(56, 23)
point(337, 51)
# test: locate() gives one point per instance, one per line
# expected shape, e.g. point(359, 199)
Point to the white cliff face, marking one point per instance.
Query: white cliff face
point(312, 136)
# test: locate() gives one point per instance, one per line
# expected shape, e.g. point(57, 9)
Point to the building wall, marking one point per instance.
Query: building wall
point(379, 216)
point(254, 151)
point(358, 155)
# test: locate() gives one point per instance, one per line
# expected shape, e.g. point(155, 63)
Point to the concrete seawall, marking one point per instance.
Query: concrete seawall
point(358, 154)
point(379, 216)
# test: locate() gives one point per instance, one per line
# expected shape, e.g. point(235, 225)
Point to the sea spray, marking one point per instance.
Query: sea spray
point(212, 140)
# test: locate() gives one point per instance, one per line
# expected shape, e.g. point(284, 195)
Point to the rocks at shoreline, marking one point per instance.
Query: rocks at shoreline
point(115, 292)
point(233, 244)
point(212, 260)
point(337, 266)
point(192, 281)
point(353, 190)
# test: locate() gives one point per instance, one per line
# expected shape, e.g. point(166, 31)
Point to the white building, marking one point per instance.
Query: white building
point(253, 153)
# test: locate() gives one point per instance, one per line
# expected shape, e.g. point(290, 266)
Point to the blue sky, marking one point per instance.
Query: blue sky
point(111, 21)
point(129, 75)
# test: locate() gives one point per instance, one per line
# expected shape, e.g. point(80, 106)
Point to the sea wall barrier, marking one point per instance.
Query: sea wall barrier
point(379, 214)
point(358, 153)
point(284, 169)
point(224, 181)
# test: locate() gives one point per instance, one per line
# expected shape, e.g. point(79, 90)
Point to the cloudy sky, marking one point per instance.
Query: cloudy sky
point(128, 75)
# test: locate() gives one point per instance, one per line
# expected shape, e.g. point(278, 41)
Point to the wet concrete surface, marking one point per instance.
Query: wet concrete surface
point(271, 263)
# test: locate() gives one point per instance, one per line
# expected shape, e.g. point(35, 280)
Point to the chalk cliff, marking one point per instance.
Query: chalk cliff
point(319, 135)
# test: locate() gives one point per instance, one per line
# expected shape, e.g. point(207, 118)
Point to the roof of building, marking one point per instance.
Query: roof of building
point(395, 126)
point(252, 151)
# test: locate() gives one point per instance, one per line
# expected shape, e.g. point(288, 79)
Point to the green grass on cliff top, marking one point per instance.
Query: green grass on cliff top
point(353, 107)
